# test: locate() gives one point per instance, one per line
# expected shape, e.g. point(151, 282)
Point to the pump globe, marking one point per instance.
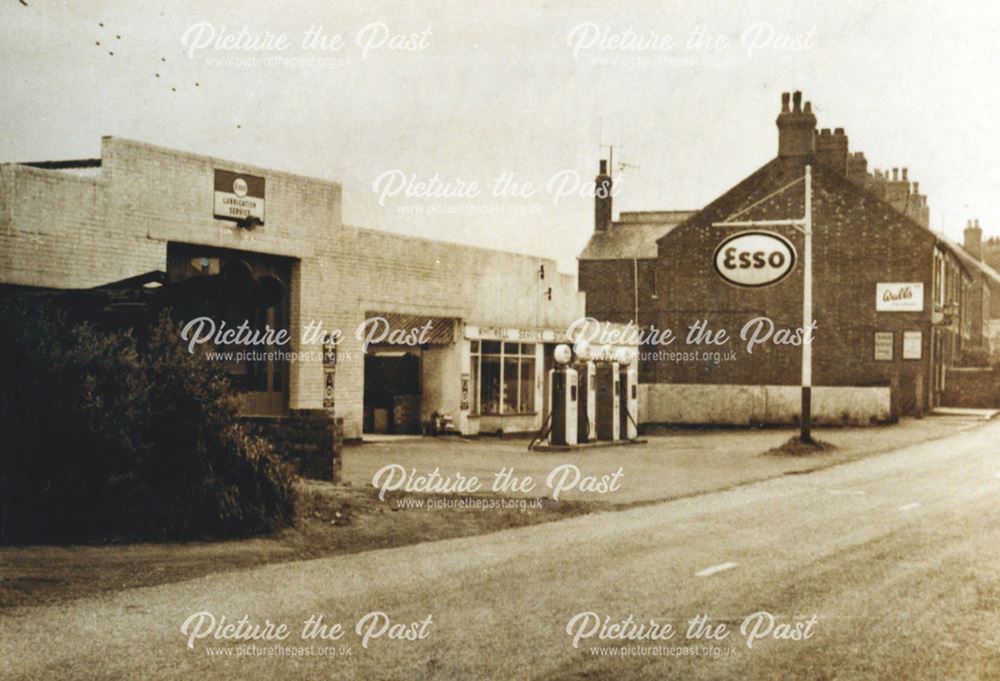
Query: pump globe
point(582, 349)
point(562, 354)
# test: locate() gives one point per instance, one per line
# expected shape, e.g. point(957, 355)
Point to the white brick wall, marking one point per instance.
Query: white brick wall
point(60, 229)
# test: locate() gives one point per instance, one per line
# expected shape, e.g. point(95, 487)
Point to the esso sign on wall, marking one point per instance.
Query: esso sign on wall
point(754, 259)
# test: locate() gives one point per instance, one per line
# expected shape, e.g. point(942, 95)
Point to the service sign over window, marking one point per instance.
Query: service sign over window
point(238, 196)
point(753, 259)
point(899, 297)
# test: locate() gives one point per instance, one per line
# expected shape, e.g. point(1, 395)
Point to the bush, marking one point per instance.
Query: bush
point(975, 357)
point(106, 438)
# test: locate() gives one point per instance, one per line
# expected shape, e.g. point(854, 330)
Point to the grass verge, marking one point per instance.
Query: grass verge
point(332, 519)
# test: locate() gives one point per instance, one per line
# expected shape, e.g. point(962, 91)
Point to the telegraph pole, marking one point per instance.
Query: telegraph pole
point(804, 225)
point(805, 431)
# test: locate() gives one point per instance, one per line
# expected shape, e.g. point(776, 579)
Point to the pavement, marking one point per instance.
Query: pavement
point(671, 465)
point(893, 559)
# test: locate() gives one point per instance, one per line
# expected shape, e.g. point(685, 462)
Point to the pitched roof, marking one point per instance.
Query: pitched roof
point(633, 235)
point(971, 263)
point(756, 197)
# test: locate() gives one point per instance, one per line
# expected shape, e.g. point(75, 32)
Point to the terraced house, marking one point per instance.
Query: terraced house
point(891, 297)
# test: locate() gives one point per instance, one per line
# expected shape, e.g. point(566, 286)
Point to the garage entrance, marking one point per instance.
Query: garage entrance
point(392, 391)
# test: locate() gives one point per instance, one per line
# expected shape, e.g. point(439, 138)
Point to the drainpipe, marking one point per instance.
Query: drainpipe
point(635, 282)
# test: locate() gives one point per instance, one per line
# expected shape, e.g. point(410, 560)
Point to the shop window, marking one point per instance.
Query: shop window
point(474, 377)
point(510, 378)
point(527, 386)
point(489, 379)
point(502, 377)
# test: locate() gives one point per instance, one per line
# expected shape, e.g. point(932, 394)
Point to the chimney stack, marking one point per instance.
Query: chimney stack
point(832, 149)
point(602, 199)
point(973, 241)
point(857, 168)
point(796, 127)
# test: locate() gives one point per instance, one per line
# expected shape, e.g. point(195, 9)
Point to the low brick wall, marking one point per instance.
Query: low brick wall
point(972, 388)
point(760, 404)
point(311, 439)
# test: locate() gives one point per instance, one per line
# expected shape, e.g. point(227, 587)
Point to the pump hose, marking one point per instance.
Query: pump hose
point(543, 433)
point(629, 414)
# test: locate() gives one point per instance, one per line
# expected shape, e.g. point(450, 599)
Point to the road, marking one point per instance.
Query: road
point(897, 556)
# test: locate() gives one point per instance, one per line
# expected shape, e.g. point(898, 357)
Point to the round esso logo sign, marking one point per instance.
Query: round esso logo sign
point(754, 259)
point(240, 187)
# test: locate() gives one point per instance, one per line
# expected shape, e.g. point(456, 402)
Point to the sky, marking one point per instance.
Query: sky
point(483, 122)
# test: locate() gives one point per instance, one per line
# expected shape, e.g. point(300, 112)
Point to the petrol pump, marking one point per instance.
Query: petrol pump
point(607, 393)
point(563, 398)
point(628, 395)
point(586, 422)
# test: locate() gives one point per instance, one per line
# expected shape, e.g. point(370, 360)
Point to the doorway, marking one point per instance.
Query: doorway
point(392, 392)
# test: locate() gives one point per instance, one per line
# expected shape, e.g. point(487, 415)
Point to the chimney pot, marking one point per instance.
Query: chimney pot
point(838, 131)
point(796, 129)
point(895, 174)
point(808, 108)
point(905, 172)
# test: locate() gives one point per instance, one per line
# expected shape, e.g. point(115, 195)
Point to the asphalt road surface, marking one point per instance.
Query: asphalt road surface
point(897, 557)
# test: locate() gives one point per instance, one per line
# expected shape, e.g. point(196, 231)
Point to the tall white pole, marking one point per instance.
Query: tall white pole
point(807, 313)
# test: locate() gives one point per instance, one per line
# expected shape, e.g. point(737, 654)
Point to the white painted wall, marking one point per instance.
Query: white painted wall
point(770, 404)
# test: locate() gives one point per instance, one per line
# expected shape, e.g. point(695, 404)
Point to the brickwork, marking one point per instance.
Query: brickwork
point(310, 439)
point(858, 241)
point(868, 228)
point(623, 291)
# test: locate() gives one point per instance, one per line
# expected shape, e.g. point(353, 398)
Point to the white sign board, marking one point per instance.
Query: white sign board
point(533, 335)
point(883, 346)
point(899, 296)
point(913, 342)
point(754, 259)
point(238, 196)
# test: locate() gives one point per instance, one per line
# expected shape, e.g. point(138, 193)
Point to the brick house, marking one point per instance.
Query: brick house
point(873, 358)
point(617, 267)
point(981, 327)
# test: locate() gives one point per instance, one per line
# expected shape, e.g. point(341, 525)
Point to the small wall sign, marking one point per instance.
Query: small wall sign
point(238, 196)
point(913, 344)
point(329, 373)
point(899, 296)
point(883, 346)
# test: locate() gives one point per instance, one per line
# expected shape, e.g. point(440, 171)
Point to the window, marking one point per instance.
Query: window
point(235, 287)
point(527, 388)
point(474, 377)
point(502, 377)
point(489, 376)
